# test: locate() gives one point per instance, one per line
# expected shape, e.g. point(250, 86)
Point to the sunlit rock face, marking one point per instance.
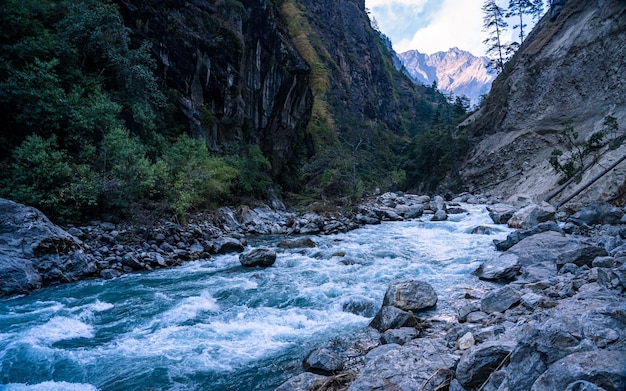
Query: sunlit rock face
point(568, 69)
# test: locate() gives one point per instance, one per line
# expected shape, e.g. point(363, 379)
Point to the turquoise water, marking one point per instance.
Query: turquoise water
point(214, 325)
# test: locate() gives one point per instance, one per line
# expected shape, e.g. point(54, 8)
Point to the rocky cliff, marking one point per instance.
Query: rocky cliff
point(309, 81)
point(456, 72)
point(567, 78)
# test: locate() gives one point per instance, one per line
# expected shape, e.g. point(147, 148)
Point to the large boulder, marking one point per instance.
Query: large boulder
point(501, 268)
point(225, 245)
point(597, 213)
point(605, 369)
point(323, 362)
point(263, 257)
point(500, 300)
point(410, 295)
point(532, 215)
point(422, 364)
point(501, 213)
point(301, 242)
point(516, 236)
point(480, 361)
point(389, 317)
point(34, 252)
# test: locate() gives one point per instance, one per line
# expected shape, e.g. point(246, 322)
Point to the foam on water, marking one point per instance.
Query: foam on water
point(48, 386)
point(59, 328)
point(215, 325)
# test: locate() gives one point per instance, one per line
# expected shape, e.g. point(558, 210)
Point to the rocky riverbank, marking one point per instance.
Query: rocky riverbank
point(549, 313)
point(35, 253)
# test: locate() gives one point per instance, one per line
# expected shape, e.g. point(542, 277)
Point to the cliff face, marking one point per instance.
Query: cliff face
point(456, 72)
point(295, 77)
point(236, 75)
point(570, 68)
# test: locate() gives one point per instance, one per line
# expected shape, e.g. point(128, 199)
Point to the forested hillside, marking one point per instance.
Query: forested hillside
point(110, 107)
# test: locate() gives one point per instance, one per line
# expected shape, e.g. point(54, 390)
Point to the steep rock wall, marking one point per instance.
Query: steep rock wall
point(236, 74)
point(571, 67)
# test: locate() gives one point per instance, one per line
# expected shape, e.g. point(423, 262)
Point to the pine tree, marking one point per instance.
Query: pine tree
point(494, 24)
point(519, 8)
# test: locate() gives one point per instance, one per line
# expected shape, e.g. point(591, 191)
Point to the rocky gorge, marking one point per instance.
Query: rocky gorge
point(548, 314)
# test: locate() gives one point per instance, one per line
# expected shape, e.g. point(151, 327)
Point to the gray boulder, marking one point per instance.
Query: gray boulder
point(532, 215)
point(499, 300)
point(501, 268)
point(582, 385)
point(225, 245)
point(605, 369)
point(440, 215)
point(480, 361)
point(597, 213)
point(399, 336)
point(301, 242)
point(410, 295)
point(389, 317)
point(34, 252)
point(501, 213)
point(303, 382)
point(515, 237)
point(422, 364)
point(263, 257)
point(323, 362)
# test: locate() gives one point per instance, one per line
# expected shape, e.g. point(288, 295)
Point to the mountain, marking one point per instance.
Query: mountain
point(563, 90)
point(118, 99)
point(455, 71)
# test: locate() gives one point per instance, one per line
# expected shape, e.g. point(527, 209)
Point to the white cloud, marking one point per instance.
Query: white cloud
point(455, 24)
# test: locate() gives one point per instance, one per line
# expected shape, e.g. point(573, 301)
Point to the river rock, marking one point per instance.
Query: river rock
point(605, 369)
point(480, 361)
point(581, 255)
point(399, 336)
point(303, 382)
point(410, 295)
point(34, 252)
point(501, 213)
point(597, 213)
point(466, 341)
point(499, 300)
point(532, 215)
point(440, 215)
point(263, 257)
point(225, 245)
point(516, 236)
point(410, 211)
point(422, 364)
point(301, 242)
point(501, 268)
point(389, 317)
point(437, 203)
point(323, 361)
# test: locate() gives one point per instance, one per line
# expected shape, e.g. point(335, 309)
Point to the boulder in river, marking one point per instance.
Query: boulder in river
point(410, 295)
point(501, 268)
point(501, 213)
point(301, 242)
point(263, 257)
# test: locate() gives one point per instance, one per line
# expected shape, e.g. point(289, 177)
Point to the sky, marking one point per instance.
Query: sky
point(431, 25)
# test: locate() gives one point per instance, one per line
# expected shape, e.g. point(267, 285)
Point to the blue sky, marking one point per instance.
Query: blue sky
point(431, 25)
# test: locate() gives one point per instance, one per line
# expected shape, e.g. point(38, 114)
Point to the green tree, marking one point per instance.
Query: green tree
point(494, 24)
point(519, 8)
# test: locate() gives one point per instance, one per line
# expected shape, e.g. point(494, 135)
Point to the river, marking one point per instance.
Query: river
point(215, 325)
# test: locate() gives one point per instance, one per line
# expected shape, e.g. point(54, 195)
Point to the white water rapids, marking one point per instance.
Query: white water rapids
point(215, 325)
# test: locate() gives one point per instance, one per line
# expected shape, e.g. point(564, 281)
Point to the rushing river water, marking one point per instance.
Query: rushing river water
point(215, 325)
